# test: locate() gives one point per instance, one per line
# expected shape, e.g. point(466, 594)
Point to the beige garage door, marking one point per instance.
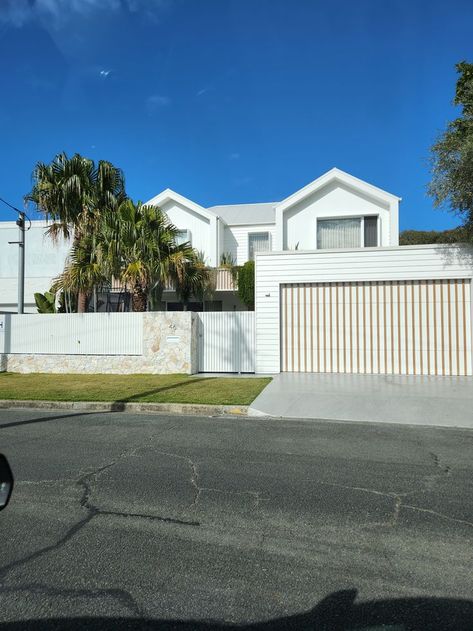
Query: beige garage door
point(390, 327)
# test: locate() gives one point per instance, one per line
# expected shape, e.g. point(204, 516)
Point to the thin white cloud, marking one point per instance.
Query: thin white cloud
point(156, 102)
point(202, 91)
point(234, 156)
point(19, 12)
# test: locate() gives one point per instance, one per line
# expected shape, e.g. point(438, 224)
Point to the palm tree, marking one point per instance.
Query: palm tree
point(194, 280)
point(84, 269)
point(139, 247)
point(73, 194)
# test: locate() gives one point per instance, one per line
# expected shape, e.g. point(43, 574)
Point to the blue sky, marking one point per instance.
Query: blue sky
point(231, 101)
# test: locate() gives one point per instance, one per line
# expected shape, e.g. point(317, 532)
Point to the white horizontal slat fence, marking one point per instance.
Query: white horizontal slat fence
point(73, 334)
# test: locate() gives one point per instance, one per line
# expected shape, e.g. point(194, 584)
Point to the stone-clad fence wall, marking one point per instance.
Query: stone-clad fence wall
point(120, 343)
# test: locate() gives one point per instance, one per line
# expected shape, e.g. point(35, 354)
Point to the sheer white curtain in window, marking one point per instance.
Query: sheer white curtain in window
point(338, 233)
point(257, 242)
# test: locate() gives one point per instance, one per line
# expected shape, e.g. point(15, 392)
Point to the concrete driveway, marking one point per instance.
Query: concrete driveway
point(439, 401)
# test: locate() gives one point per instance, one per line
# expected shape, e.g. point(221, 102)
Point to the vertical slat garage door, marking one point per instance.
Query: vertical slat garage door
point(390, 327)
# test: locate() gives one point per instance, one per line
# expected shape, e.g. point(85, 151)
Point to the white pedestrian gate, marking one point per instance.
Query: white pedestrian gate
point(227, 341)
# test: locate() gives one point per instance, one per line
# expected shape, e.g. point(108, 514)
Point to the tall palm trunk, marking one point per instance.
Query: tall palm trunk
point(82, 302)
point(139, 299)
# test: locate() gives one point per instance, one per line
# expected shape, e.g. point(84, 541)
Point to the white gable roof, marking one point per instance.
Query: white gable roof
point(337, 175)
point(265, 213)
point(170, 195)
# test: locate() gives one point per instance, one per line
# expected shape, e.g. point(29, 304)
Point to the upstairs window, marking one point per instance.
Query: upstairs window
point(338, 233)
point(257, 242)
point(347, 232)
point(183, 236)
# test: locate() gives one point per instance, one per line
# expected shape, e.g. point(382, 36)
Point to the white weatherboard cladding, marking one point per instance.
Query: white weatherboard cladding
point(236, 240)
point(74, 334)
point(227, 341)
point(370, 264)
point(203, 231)
point(334, 200)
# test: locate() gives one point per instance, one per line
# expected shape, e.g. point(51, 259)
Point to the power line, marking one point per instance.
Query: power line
point(20, 222)
point(21, 212)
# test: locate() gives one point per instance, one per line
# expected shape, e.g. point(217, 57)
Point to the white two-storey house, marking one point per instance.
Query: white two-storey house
point(336, 210)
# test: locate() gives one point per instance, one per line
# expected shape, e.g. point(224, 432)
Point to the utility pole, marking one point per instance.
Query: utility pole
point(20, 222)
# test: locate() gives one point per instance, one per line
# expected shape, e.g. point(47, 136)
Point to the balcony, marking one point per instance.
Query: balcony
point(221, 280)
point(224, 280)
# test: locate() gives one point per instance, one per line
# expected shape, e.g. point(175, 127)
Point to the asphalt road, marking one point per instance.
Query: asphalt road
point(235, 520)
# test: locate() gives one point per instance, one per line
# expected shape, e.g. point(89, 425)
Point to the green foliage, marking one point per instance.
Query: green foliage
point(67, 302)
point(137, 244)
point(246, 284)
point(227, 260)
point(45, 303)
point(452, 155)
point(73, 194)
point(196, 279)
point(424, 237)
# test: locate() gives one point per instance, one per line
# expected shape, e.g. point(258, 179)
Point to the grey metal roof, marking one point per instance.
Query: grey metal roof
point(241, 214)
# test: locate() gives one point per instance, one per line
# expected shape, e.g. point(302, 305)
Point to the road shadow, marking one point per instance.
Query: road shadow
point(337, 612)
point(46, 419)
point(146, 393)
point(115, 406)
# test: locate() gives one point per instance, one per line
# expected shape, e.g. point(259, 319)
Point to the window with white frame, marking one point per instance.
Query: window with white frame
point(347, 232)
point(183, 236)
point(257, 242)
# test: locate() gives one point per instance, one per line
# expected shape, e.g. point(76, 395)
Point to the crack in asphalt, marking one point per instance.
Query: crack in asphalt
point(437, 514)
point(86, 482)
point(124, 597)
point(194, 483)
point(398, 503)
point(256, 495)
point(167, 520)
point(198, 490)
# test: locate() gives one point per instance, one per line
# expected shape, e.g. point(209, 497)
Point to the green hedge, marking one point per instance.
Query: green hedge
point(246, 284)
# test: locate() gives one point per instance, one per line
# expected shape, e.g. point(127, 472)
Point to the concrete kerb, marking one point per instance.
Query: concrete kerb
point(119, 406)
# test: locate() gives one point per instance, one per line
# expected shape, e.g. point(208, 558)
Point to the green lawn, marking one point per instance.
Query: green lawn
point(129, 388)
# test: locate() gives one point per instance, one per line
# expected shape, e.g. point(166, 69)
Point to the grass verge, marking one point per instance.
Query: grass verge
point(132, 388)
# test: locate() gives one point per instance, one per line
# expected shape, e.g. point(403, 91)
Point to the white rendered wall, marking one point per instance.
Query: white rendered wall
point(44, 260)
point(203, 231)
point(299, 223)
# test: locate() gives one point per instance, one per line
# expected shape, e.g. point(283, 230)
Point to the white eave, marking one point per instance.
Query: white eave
point(337, 175)
point(170, 195)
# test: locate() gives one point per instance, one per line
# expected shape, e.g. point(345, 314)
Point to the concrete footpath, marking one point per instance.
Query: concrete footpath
point(435, 401)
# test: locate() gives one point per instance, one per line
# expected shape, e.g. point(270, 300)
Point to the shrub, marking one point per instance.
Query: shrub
point(246, 284)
